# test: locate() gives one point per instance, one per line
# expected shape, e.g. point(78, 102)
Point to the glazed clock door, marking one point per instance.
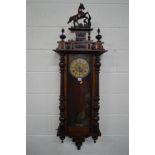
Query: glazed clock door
point(79, 92)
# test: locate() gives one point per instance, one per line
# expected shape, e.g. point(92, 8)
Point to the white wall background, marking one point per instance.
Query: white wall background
point(45, 18)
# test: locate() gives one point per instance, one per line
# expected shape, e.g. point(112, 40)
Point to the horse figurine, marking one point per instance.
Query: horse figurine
point(81, 15)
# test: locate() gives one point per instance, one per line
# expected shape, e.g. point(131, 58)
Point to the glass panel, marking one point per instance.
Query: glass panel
point(79, 99)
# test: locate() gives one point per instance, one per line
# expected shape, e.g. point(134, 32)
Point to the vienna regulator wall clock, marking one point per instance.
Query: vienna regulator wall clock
point(79, 82)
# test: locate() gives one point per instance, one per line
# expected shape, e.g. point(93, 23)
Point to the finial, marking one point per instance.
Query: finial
point(98, 37)
point(62, 30)
point(98, 30)
point(62, 36)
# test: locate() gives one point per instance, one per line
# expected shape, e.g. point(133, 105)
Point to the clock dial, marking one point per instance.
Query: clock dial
point(79, 68)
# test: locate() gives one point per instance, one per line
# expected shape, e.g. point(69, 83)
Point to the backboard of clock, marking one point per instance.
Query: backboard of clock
point(79, 82)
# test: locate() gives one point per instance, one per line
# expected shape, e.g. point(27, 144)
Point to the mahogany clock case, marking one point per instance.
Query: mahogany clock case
point(79, 81)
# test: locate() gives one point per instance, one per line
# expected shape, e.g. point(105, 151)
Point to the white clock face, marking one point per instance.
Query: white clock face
point(79, 68)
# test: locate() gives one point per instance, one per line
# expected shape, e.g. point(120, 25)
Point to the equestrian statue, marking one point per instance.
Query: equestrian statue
point(81, 15)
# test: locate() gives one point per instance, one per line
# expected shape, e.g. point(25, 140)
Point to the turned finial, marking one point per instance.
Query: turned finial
point(98, 37)
point(62, 36)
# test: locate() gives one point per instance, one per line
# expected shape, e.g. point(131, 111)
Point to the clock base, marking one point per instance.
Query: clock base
point(78, 140)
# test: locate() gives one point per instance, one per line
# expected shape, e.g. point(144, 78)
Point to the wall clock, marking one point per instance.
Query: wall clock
point(79, 82)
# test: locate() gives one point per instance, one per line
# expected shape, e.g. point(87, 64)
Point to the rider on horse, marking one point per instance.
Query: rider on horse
point(80, 15)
